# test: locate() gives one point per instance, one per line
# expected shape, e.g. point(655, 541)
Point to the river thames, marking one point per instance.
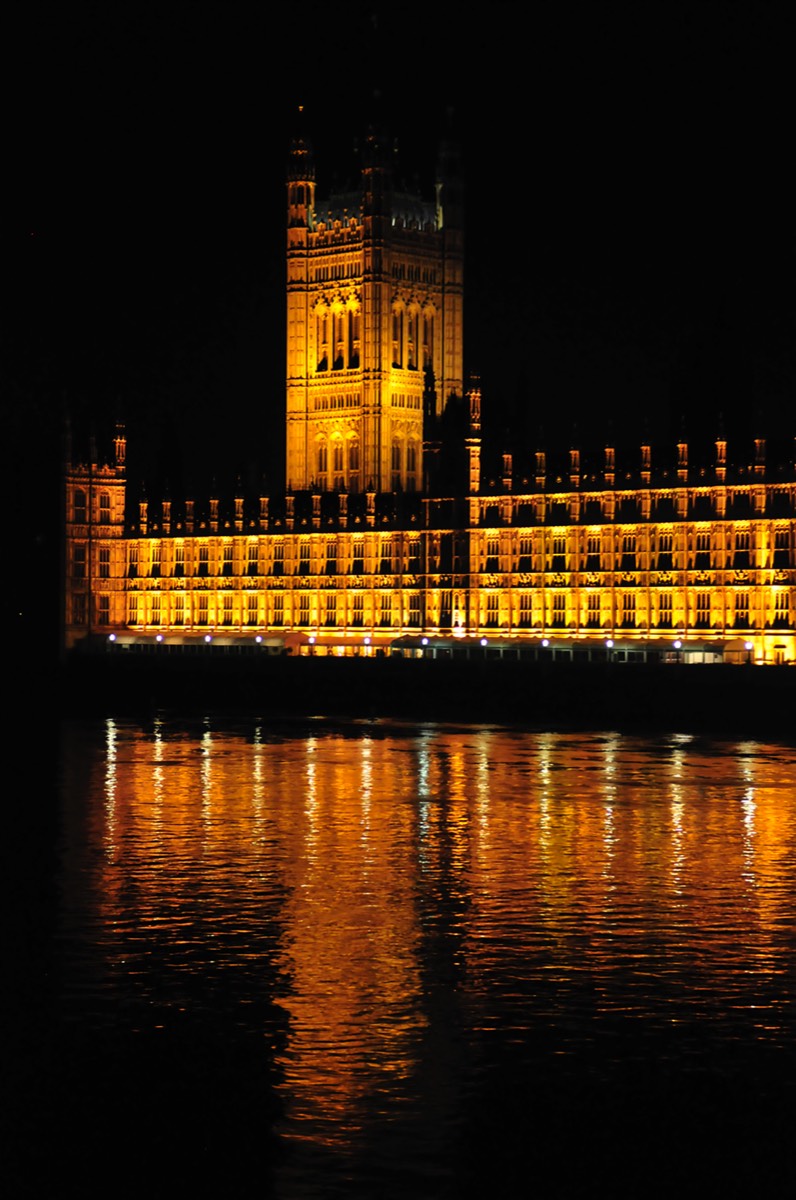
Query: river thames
point(384, 959)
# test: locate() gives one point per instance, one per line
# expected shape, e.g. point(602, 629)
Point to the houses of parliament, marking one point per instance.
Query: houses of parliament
point(387, 538)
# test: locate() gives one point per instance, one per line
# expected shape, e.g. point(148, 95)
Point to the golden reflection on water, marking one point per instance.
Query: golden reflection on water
point(356, 876)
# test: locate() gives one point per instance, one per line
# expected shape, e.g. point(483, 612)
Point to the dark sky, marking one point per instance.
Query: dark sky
point(630, 240)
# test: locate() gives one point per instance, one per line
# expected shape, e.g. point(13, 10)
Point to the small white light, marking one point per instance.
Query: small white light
point(367, 641)
point(424, 641)
point(678, 645)
point(747, 645)
point(159, 637)
point(609, 643)
point(312, 639)
point(483, 641)
point(208, 638)
point(258, 639)
point(545, 641)
point(111, 637)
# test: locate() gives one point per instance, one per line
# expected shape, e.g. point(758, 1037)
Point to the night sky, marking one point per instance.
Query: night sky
point(630, 241)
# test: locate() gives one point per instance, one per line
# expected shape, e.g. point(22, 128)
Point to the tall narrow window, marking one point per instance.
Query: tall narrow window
point(411, 467)
point(396, 466)
point(397, 338)
point(81, 512)
point(104, 562)
point(104, 509)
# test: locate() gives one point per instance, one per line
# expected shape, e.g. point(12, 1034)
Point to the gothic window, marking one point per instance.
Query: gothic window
point(337, 464)
point(559, 610)
point(386, 556)
point(629, 552)
point(358, 611)
point(251, 610)
point(304, 557)
point(204, 559)
point(202, 614)
point(179, 558)
point(179, 610)
point(397, 337)
point(781, 610)
point(354, 335)
point(740, 558)
point(227, 562)
point(252, 558)
point(278, 566)
point(79, 562)
point(492, 610)
point(279, 609)
point(526, 608)
point(81, 512)
point(79, 609)
point(104, 509)
point(322, 334)
point(428, 340)
point(331, 558)
point(629, 610)
point(593, 552)
point(703, 610)
point(353, 464)
point(323, 460)
point(414, 610)
point(593, 610)
point(304, 608)
point(385, 610)
point(559, 560)
point(132, 609)
point(154, 568)
point(104, 562)
point(395, 460)
point(155, 609)
point(414, 555)
point(104, 610)
point(132, 560)
point(781, 548)
point(358, 557)
point(411, 341)
point(525, 560)
point(664, 552)
point(411, 467)
point(338, 325)
point(330, 618)
point(741, 613)
point(492, 562)
point(702, 551)
point(665, 610)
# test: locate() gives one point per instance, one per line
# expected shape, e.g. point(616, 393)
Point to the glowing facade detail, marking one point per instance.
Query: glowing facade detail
point(366, 546)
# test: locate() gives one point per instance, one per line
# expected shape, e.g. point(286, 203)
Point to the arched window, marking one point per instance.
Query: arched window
point(323, 459)
point(397, 337)
point(411, 340)
point(411, 467)
point(428, 339)
point(396, 466)
point(322, 338)
point(354, 335)
point(353, 464)
point(338, 469)
point(81, 514)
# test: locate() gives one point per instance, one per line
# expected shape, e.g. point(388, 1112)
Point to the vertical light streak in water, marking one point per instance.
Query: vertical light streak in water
point(423, 794)
point(111, 765)
point(677, 806)
point(748, 809)
point(207, 772)
point(609, 802)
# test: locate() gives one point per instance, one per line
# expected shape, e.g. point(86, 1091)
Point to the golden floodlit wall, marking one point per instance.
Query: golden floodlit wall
point(362, 550)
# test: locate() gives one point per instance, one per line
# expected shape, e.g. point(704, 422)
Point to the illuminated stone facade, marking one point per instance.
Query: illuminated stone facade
point(364, 549)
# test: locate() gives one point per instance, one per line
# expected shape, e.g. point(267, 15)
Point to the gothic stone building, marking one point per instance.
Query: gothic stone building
point(386, 538)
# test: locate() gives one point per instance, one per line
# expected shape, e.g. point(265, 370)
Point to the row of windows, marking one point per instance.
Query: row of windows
point(388, 610)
